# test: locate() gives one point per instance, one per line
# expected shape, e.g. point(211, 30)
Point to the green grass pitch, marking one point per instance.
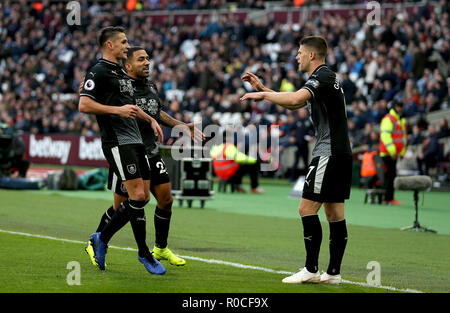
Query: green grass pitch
point(263, 231)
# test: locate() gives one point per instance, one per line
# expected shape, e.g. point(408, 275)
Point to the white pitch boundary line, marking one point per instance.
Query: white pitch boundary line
point(212, 261)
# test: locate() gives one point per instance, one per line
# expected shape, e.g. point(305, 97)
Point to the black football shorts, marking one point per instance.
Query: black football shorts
point(128, 161)
point(158, 175)
point(328, 179)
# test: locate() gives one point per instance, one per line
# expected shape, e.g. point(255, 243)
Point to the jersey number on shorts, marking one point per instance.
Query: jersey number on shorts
point(311, 168)
point(161, 166)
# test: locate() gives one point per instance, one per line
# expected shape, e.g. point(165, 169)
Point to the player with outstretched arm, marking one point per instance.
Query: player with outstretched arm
point(328, 180)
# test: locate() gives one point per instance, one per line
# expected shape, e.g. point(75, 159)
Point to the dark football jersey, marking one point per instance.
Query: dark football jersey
point(146, 97)
point(328, 113)
point(109, 84)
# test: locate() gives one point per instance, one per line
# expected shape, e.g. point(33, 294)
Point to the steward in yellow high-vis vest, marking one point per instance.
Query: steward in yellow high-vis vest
point(393, 139)
point(227, 158)
point(229, 162)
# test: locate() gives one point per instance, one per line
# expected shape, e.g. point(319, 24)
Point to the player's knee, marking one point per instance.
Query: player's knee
point(166, 203)
point(331, 216)
point(140, 196)
point(334, 216)
point(302, 211)
point(305, 210)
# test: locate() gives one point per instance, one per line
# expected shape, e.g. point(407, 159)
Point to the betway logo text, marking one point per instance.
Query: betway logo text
point(91, 150)
point(49, 148)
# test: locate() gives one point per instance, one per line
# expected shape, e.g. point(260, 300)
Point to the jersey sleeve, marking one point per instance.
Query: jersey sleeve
point(92, 85)
point(312, 85)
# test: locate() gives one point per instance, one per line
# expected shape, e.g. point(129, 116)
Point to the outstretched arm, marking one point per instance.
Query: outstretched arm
point(168, 120)
point(171, 122)
point(255, 82)
point(288, 100)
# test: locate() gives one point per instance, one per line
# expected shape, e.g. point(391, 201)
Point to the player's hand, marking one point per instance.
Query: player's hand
point(196, 134)
point(128, 111)
point(157, 130)
point(252, 96)
point(253, 80)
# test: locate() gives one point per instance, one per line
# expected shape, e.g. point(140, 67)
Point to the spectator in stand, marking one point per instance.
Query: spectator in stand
point(430, 103)
point(358, 116)
point(377, 91)
point(389, 91)
point(353, 133)
point(416, 136)
point(444, 131)
point(349, 88)
point(410, 99)
point(303, 133)
point(432, 152)
point(367, 139)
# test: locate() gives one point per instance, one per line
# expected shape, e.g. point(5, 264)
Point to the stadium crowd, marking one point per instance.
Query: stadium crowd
point(197, 68)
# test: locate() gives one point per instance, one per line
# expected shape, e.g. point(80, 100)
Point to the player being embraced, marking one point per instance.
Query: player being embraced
point(146, 98)
point(328, 180)
point(108, 93)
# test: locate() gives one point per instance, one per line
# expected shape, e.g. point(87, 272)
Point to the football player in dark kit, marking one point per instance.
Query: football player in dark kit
point(328, 180)
point(146, 97)
point(109, 94)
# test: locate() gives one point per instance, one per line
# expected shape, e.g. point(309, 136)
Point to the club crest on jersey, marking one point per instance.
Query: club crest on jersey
point(89, 84)
point(148, 105)
point(131, 168)
point(126, 86)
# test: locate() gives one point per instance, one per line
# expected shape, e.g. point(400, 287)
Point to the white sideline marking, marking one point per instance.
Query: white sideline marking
point(212, 261)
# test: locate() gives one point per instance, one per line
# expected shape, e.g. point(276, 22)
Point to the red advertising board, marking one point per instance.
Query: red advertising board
point(64, 150)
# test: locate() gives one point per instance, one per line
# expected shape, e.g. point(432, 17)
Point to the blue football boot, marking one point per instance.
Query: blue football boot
point(152, 265)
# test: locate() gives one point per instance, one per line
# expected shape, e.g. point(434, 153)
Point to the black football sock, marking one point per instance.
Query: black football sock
point(162, 225)
point(312, 234)
point(138, 224)
point(338, 242)
point(118, 220)
point(105, 218)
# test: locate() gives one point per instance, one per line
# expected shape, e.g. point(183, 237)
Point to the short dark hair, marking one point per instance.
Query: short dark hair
point(397, 103)
point(132, 50)
point(317, 43)
point(109, 32)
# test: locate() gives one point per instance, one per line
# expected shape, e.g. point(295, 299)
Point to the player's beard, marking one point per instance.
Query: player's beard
point(145, 74)
point(141, 75)
point(304, 67)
